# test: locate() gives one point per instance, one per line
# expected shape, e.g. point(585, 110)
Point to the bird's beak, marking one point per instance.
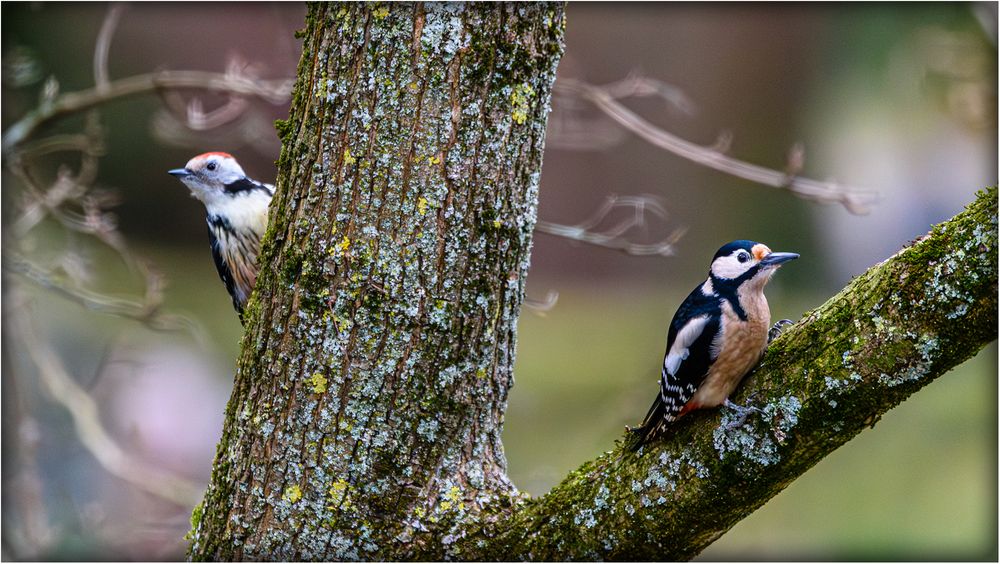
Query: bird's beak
point(180, 172)
point(774, 259)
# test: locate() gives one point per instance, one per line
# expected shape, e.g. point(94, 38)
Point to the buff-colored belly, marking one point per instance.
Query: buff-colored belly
point(742, 345)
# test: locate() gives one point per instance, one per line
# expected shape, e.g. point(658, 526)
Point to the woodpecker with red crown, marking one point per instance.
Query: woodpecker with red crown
point(237, 218)
point(717, 335)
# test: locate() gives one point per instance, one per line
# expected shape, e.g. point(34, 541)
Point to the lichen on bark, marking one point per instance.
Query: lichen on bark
point(369, 397)
point(891, 331)
point(366, 415)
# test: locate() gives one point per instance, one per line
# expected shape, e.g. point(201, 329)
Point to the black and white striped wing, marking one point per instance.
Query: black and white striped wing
point(686, 362)
point(224, 272)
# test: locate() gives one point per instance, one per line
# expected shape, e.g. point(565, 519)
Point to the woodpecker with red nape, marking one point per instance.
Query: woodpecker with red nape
point(237, 218)
point(717, 336)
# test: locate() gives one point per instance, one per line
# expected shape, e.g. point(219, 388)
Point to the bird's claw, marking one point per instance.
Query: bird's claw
point(741, 411)
point(777, 328)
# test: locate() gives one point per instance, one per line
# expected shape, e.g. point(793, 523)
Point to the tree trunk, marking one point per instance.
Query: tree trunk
point(367, 410)
point(366, 415)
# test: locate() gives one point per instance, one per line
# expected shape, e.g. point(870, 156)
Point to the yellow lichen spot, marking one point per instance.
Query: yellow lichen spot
point(318, 382)
point(433, 160)
point(496, 223)
point(520, 102)
point(454, 493)
point(292, 494)
point(481, 373)
point(461, 506)
point(348, 159)
point(422, 206)
point(413, 86)
point(340, 494)
point(381, 12)
point(419, 512)
point(343, 245)
point(445, 505)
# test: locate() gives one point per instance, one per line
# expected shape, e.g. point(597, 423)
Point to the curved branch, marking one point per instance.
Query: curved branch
point(856, 201)
point(85, 413)
point(890, 332)
point(273, 91)
point(103, 45)
point(614, 237)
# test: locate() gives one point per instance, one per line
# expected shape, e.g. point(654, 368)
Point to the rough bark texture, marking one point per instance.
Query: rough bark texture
point(890, 332)
point(366, 415)
point(367, 410)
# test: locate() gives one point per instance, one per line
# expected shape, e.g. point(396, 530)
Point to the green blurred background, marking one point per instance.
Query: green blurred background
point(897, 98)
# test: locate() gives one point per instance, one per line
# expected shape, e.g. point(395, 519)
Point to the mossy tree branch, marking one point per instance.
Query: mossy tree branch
point(890, 332)
point(367, 409)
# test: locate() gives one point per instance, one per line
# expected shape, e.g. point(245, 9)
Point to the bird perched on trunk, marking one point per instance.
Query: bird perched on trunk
point(717, 336)
point(237, 218)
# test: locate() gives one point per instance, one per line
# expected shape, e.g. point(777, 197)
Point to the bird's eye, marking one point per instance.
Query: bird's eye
point(743, 257)
point(211, 165)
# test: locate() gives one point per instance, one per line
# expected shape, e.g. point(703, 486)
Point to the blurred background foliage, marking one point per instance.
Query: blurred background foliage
point(896, 98)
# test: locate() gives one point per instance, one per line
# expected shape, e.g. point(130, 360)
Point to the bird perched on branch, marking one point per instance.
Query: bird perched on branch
point(717, 336)
point(237, 218)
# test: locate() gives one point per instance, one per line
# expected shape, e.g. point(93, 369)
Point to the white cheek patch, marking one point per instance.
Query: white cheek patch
point(730, 267)
point(679, 352)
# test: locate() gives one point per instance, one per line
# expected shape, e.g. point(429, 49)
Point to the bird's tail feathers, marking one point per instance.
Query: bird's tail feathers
point(647, 430)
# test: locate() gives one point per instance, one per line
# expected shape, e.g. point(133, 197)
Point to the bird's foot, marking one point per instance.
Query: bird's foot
point(742, 412)
point(777, 328)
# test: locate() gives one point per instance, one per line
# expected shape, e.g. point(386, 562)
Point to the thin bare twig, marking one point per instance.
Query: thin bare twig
point(273, 91)
point(146, 312)
point(542, 306)
point(103, 45)
point(636, 85)
point(854, 200)
point(87, 423)
point(614, 237)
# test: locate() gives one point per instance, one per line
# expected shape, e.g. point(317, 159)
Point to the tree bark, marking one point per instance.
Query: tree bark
point(367, 409)
point(890, 332)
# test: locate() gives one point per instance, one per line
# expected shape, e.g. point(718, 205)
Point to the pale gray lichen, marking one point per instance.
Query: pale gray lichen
point(380, 286)
point(757, 445)
point(927, 345)
point(846, 359)
point(841, 385)
point(585, 518)
point(601, 499)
